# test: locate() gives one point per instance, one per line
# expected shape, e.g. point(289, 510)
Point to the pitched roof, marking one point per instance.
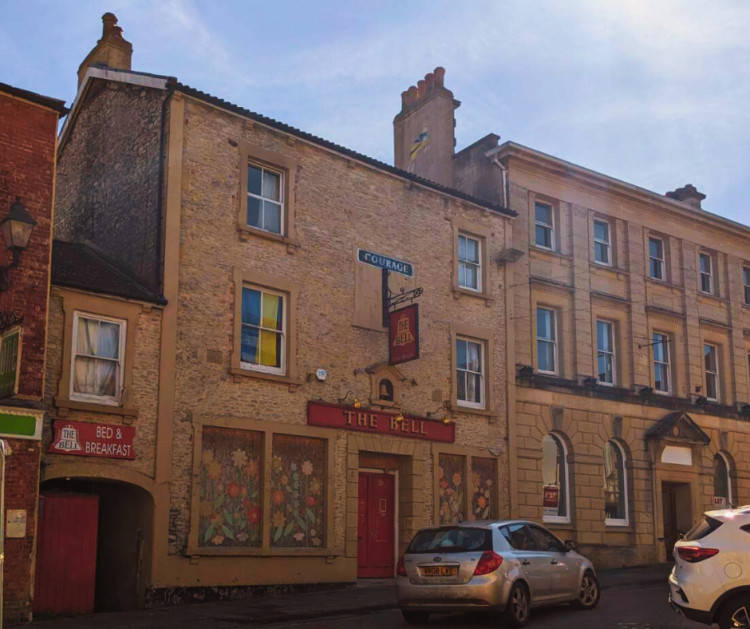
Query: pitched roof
point(44, 101)
point(77, 265)
point(680, 426)
point(313, 139)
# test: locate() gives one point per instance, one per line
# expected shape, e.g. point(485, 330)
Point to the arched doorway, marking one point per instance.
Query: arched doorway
point(95, 544)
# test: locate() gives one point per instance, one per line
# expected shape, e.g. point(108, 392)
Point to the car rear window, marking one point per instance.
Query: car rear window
point(704, 527)
point(451, 539)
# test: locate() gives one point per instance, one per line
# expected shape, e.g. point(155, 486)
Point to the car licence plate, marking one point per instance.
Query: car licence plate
point(439, 571)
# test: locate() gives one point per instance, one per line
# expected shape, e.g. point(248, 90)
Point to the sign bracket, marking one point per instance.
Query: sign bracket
point(391, 299)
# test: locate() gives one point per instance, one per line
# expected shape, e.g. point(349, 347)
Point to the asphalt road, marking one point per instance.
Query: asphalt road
point(623, 608)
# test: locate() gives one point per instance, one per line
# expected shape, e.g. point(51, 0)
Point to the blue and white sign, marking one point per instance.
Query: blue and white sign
point(384, 262)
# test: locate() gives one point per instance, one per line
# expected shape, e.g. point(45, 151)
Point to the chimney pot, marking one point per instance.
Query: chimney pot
point(439, 76)
point(430, 81)
point(421, 89)
point(688, 194)
point(112, 50)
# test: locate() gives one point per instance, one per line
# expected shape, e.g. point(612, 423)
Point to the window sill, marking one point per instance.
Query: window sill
point(468, 410)
point(66, 405)
point(711, 297)
point(459, 292)
point(293, 383)
point(549, 252)
point(193, 551)
point(664, 283)
point(248, 233)
point(609, 269)
point(617, 527)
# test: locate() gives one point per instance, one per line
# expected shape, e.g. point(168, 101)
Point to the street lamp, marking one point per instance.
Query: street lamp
point(16, 228)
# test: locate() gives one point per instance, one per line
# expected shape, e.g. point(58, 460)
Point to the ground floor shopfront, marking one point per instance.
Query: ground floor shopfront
point(623, 479)
point(331, 500)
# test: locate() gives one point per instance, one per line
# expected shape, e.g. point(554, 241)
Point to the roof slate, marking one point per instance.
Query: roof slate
point(77, 265)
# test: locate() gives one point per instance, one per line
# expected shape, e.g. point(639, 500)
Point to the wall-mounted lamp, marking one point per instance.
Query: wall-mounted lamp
point(400, 417)
point(525, 371)
point(355, 400)
point(16, 228)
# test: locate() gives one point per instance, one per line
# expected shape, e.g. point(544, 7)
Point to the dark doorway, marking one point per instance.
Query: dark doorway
point(122, 541)
point(376, 534)
point(677, 514)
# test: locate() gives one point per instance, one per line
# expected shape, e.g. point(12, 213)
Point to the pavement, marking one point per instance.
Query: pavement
point(366, 596)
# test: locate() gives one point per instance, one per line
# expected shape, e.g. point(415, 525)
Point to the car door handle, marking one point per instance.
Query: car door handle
point(525, 562)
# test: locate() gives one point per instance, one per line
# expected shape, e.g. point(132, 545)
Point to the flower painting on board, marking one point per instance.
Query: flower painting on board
point(452, 488)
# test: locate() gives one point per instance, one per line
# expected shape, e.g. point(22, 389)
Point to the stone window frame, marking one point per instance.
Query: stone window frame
point(123, 335)
point(673, 328)
point(287, 167)
point(610, 223)
point(728, 466)
point(268, 429)
point(484, 336)
point(275, 284)
point(15, 329)
point(555, 341)
point(664, 260)
point(616, 313)
point(482, 234)
point(468, 453)
point(716, 373)
point(745, 280)
point(554, 216)
point(611, 325)
point(561, 442)
point(670, 390)
point(560, 300)
point(621, 522)
point(97, 306)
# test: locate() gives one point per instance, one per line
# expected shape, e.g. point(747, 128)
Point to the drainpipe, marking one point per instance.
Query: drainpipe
point(493, 154)
point(4, 452)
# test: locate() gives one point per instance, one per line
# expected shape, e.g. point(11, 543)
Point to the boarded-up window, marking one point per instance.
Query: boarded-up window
point(231, 488)
point(9, 363)
point(298, 484)
point(483, 490)
point(452, 488)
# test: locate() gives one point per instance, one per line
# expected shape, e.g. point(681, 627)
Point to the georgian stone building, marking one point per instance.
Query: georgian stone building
point(630, 335)
point(224, 367)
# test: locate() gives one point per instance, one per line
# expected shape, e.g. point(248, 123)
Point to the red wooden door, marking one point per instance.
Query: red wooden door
point(66, 554)
point(376, 536)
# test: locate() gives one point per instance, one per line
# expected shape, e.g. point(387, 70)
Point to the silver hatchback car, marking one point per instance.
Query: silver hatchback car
point(504, 567)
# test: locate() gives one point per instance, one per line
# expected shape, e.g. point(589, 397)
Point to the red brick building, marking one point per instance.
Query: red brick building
point(28, 125)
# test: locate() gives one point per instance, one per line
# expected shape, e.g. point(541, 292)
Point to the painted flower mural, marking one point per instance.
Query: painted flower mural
point(483, 475)
point(231, 488)
point(297, 491)
point(451, 488)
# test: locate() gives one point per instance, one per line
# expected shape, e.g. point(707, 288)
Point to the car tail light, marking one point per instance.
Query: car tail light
point(401, 568)
point(694, 554)
point(488, 562)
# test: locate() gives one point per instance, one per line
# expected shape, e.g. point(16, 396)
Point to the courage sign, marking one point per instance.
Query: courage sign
point(384, 262)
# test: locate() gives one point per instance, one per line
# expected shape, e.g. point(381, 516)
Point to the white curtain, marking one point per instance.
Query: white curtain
point(97, 354)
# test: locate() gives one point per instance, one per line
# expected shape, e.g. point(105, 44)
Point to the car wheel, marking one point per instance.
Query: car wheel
point(415, 618)
point(588, 595)
point(518, 607)
point(735, 612)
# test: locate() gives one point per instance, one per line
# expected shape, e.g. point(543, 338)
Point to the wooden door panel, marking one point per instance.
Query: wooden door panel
point(363, 555)
point(66, 554)
point(375, 524)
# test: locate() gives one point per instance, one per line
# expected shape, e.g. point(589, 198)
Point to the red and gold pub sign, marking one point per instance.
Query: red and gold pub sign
point(403, 335)
point(369, 420)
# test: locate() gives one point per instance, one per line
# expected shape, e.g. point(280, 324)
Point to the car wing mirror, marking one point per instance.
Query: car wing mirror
point(570, 545)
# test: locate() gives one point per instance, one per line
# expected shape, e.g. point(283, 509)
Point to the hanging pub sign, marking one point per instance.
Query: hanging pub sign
point(369, 420)
point(91, 439)
point(403, 335)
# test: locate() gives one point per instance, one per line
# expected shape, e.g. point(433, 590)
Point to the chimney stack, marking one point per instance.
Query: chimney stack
point(688, 194)
point(112, 50)
point(423, 130)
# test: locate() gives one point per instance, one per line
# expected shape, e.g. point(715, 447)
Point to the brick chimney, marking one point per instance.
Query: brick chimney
point(423, 130)
point(688, 194)
point(111, 50)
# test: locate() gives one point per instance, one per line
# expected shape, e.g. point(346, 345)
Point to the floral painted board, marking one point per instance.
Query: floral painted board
point(483, 476)
point(452, 488)
point(298, 489)
point(231, 488)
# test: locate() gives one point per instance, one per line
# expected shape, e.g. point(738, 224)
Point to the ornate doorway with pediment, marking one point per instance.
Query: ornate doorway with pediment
point(675, 444)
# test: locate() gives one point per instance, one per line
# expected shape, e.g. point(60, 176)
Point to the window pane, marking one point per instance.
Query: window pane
point(254, 211)
point(543, 236)
point(8, 364)
point(721, 477)
point(655, 248)
point(658, 344)
point(461, 354)
point(254, 179)
point(109, 340)
point(472, 250)
point(543, 213)
point(614, 483)
point(603, 336)
point(249, 345)
point(601, 231)
point(606, 374)
point(705, 263)
point(655, 269)
point(452, 488)
point(709, 354)
point(711, 387)
point(661, 382)
point(272, 217)
point(298, 492)
point(474, 388)
point(601, 252)
point(553, 472)
point(546, 355)
point(271, 185)
point(467, 275)
point(251, 306)
point(544, 323)
point(705, 283)
point(231, 488)
point(461, 386)
point(474, 357)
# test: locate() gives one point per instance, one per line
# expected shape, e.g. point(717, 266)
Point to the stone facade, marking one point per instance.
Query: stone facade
point(27, 172)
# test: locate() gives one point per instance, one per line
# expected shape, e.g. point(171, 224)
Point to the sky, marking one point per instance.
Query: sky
point(652, 92)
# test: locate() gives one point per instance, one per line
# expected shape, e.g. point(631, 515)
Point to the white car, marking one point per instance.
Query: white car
point(710, 581)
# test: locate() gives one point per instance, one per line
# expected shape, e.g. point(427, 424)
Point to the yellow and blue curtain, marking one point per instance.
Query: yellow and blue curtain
point(262, 317)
